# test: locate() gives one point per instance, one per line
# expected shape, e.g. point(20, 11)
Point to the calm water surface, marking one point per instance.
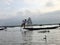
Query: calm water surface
point(13, 36)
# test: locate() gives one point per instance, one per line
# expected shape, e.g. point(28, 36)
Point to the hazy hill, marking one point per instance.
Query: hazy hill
point(51, 17)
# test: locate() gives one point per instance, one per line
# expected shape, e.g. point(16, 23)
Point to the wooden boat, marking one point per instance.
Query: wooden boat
point(41, 28)
point(2, 28)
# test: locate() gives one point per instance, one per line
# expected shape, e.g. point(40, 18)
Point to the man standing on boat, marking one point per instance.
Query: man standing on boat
point(28, 22)
point(24, 22)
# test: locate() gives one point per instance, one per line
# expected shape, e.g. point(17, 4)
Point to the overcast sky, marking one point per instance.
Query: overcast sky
point(13, 11)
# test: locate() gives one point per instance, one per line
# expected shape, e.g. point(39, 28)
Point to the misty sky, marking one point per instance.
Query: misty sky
point(41, 11)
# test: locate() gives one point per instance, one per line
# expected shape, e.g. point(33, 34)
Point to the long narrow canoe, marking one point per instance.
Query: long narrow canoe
point(40, 28)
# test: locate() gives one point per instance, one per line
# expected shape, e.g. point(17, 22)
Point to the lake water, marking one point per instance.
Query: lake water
point(13, 36)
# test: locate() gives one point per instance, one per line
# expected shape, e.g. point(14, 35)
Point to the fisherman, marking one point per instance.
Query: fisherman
point(24, 23)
